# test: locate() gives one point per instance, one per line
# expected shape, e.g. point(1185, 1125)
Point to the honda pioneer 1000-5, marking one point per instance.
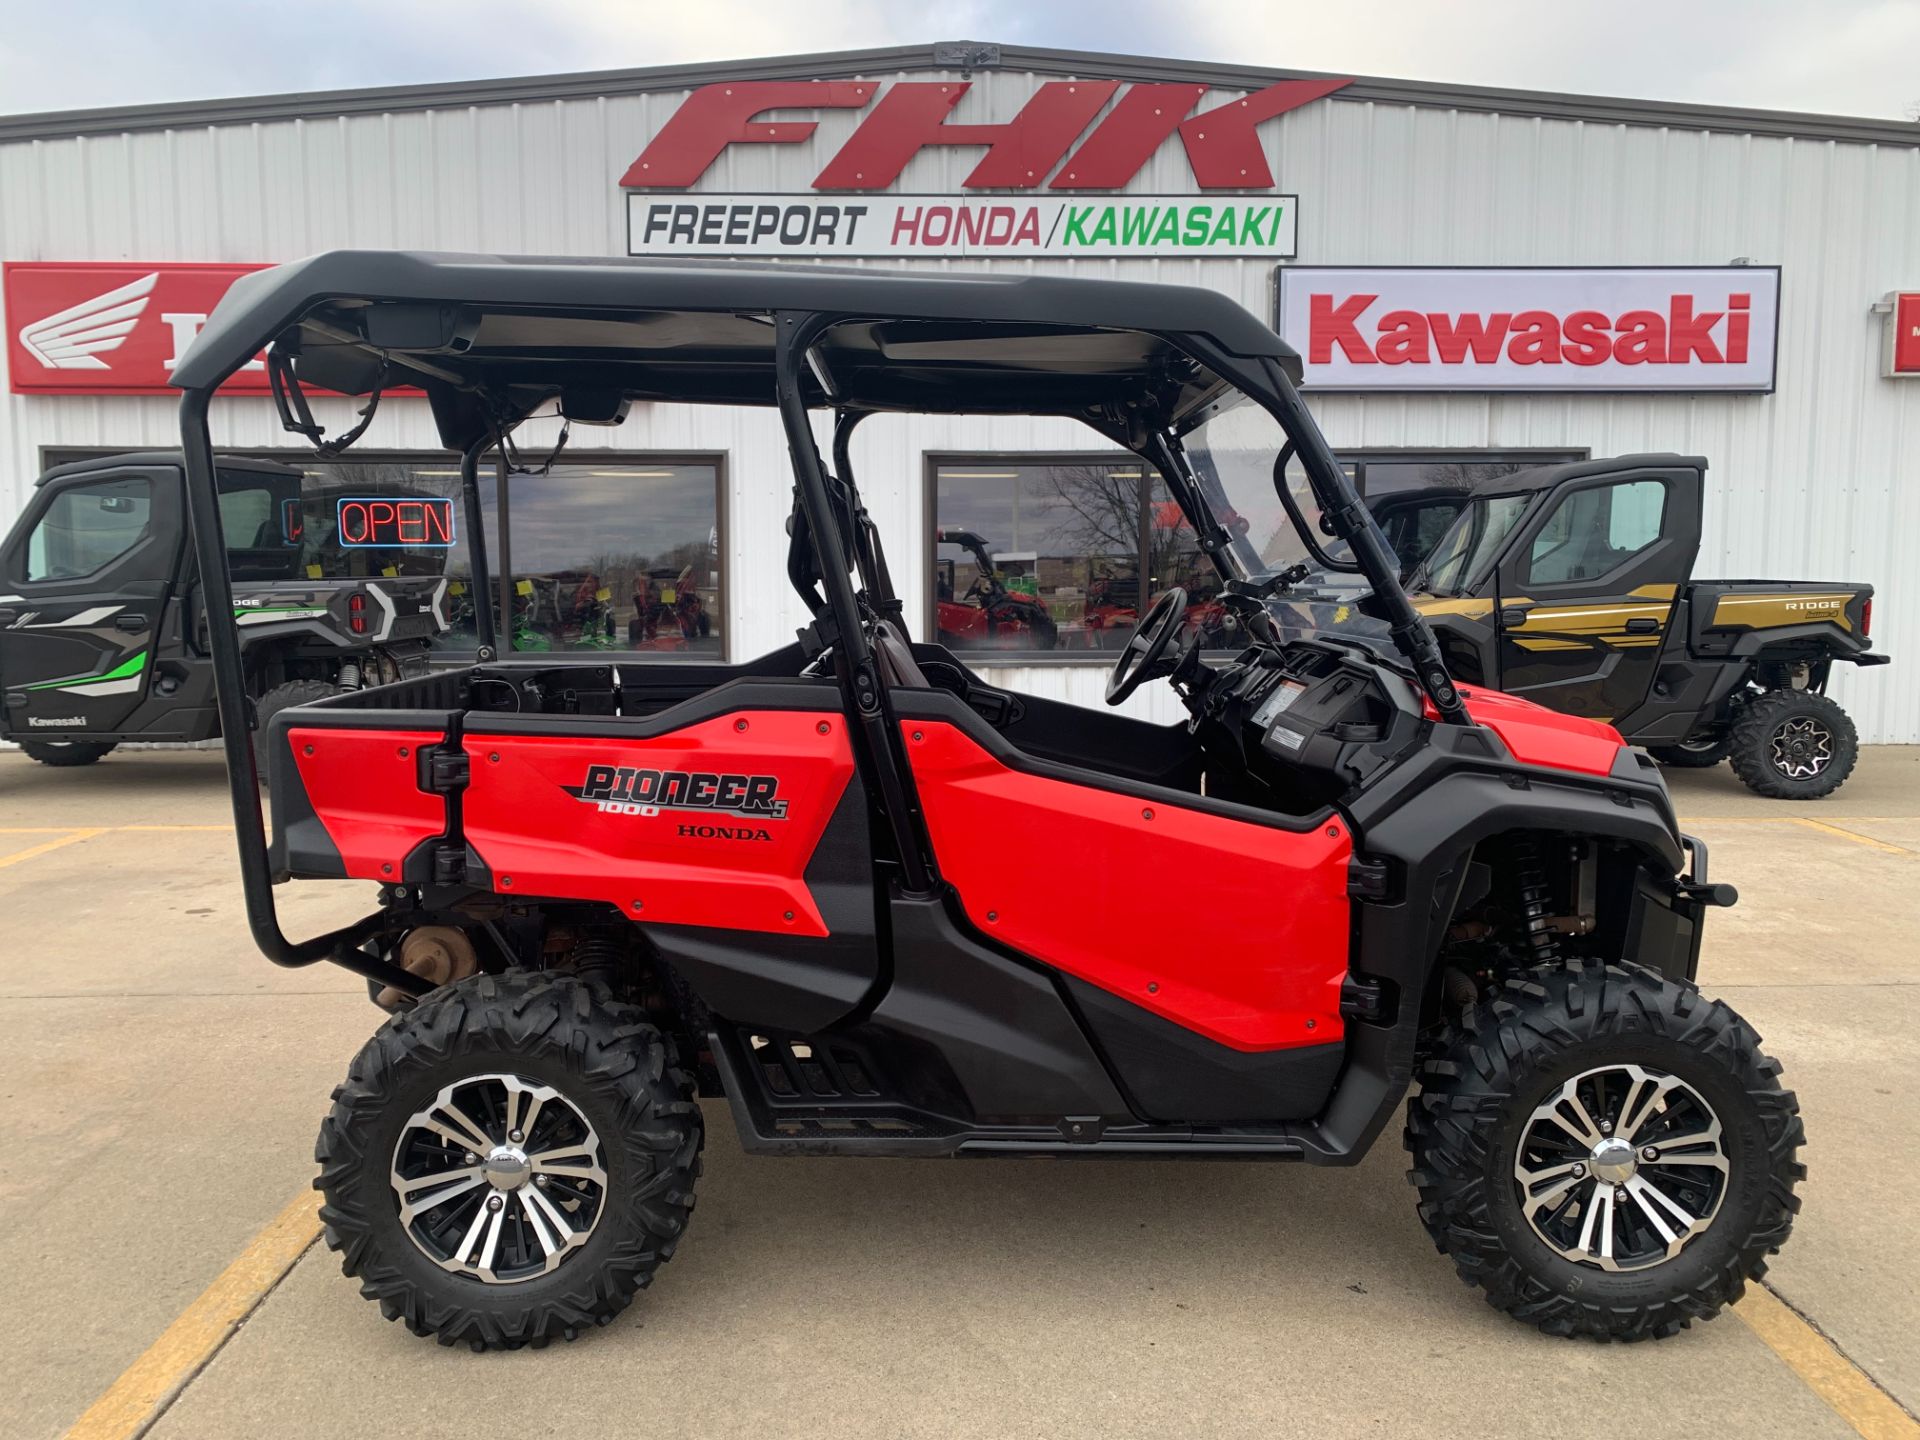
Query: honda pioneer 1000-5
point(609, 885)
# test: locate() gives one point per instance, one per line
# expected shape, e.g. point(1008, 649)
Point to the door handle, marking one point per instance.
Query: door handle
point(133, 624)
point(1512, 616)
point(1643, 625)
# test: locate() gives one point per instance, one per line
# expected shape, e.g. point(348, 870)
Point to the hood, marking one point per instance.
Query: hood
point(1539, 736)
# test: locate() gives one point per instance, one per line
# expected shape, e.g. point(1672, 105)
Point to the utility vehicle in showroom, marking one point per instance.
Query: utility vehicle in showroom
point(1572, 585)
point(987, 612)
point(608, 885)
point(103, 638)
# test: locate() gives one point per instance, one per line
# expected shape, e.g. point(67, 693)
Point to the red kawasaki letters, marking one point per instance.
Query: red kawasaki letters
point(1679, 335)
point(1222, 144)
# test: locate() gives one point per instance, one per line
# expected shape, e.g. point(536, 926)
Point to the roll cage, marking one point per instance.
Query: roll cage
point(492, 341)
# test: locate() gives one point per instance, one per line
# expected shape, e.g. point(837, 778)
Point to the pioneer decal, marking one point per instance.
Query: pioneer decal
point(625, 790)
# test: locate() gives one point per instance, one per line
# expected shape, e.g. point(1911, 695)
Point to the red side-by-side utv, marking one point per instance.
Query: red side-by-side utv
point(608, 886)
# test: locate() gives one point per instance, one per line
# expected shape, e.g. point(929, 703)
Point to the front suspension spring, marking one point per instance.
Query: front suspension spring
point(1534, 900)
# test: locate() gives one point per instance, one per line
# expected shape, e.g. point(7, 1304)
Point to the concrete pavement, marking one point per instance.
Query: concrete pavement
point(162, 1084)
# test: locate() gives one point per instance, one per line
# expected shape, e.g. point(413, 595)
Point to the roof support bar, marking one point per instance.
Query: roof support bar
point(477, 581)
point(868, 704)
point(236, 730)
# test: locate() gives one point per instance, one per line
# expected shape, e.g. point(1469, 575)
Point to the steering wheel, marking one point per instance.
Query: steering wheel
point(1147, 646)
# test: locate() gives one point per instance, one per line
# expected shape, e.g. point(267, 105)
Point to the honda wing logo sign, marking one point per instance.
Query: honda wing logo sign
point(1621, 329)
point(111, 329)
point(1076, 141)
point(76, 338)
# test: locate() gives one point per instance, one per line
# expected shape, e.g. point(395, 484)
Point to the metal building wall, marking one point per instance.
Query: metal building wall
point(1813, 482)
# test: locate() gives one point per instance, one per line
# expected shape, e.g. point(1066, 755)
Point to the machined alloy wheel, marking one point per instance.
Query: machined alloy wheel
point(1801, 747)
point(1603, 1150)
point(500, 1178)
point(510, 1160)
point(1620, 1167)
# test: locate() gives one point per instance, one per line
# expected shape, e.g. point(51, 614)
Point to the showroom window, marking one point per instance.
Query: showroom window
point(1045, 557)
point(618, 552)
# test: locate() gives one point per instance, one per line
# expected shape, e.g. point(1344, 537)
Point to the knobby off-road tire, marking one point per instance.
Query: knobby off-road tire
point(1694, 754)
point(64, 754)
point(610, 1068)
point(1512, 1053)
point(282, 697)
point(1793, 745)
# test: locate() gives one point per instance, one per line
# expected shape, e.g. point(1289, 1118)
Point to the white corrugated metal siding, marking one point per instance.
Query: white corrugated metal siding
point(1815, 481)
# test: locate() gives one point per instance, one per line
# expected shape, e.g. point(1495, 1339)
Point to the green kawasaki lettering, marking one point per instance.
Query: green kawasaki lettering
point(1198, 219)
point(126, 670)
point(1136, 225)
point(1169, 231)
point(1076, 233)
point(1250, 226)
point(1224, 229)
point(1106, 230)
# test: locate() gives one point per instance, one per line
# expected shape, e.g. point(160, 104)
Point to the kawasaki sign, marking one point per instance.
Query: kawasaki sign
point(1070, 138)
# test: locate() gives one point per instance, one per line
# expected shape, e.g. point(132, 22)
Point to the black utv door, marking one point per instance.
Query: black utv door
point(1588, 587)
point(84, 578)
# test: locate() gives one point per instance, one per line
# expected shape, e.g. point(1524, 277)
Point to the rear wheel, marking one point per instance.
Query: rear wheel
point(1793, 745)
point(1604, 1152)
point(509, 1161)
point(62, 754)
point(283, 697)
point(1702, 752)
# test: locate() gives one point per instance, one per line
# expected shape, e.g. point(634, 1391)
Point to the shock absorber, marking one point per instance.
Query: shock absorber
point(598, 959)
point(1535, 899)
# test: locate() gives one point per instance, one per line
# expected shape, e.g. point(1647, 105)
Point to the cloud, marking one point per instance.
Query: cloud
point(1842, 56)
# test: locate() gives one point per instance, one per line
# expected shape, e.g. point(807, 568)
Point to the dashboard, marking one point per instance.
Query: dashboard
point(1306, 723)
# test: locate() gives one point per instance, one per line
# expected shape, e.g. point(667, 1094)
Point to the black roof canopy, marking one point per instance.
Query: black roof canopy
point(533, 327)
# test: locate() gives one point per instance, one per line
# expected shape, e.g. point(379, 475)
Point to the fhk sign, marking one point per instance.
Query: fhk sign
point(1222, 144)
point(1070, 138)
point(115, 329)
point(1675, 329)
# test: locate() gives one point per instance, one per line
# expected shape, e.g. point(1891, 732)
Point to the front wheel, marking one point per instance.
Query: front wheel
point(509, 1161)
point(1793, 745)
point(1605, 1153)
point(64, 754)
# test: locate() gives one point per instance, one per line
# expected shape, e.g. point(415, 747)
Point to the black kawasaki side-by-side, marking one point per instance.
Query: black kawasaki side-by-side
point(806, 882)
point(103, 633)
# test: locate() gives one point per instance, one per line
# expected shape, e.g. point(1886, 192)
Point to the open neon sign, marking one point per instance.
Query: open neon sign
point(364, 523)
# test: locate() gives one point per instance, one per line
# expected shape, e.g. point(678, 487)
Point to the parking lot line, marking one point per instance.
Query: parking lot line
point(146, 1387)
point(1854, 836)
point(1824, 1369)
point(71, 838)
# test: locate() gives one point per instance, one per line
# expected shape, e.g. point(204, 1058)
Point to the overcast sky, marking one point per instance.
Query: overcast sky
point(1850, 57)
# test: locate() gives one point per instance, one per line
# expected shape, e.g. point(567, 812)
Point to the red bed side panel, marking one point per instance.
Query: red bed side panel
point(365, 790)
point(726, 844)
